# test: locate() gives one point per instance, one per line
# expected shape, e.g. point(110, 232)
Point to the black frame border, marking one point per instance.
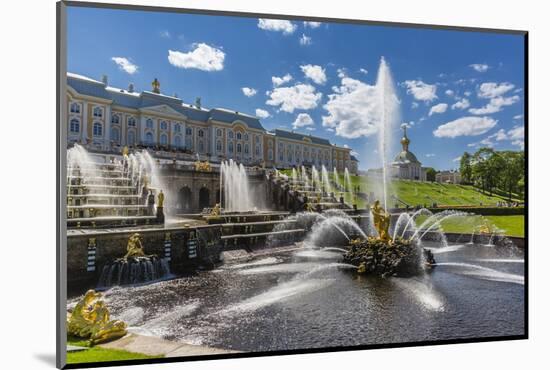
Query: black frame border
point(61, 71)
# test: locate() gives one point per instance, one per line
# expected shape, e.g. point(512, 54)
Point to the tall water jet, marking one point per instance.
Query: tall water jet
point(236, 188)
point(348, 186)
point(336, 179)
point(315, 178)
point(294, 176)
point(388, 118)
point(326, 182)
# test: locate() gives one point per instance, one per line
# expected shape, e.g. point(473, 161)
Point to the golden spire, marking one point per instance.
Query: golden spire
point(156, 86)
point(405, 140)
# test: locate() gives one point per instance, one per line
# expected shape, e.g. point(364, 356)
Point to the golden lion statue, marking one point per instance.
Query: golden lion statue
point(91, 319)
point(134, 247)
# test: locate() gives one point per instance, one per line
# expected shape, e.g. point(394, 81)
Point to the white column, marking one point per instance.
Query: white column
point(84, 122)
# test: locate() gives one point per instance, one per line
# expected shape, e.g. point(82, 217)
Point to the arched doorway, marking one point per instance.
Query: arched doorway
point(204, 198)
point(184, 199)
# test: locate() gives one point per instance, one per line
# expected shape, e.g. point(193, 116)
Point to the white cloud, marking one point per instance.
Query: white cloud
point(203, 57)
point(449, 92)
point(278, 25)
point(429, 155)
point(248, 91)
point(421, 90)
point(125, 65)
point(461, 104)
point(414, 105)
point(465, 126)
point(305, 40)
point(495, 105)
point(490, 90)
point(519, 116)
point(302, 120)
point(278, 81)
point(314, 73)
point(312, 24)
point(262, 113)
point(438, 108)
point(457, 159)
point(310, 128)
point(301, 96)
point(352, 109)
point(480, 67)
point(467, 93)
point(165, 34)
point(341, 72)
point(500, 135)
point(363, 70)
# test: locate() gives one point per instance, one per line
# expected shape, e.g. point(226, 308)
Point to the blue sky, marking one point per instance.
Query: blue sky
point(457, 90)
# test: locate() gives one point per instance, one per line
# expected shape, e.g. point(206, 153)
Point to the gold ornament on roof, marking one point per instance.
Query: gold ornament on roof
point(156, 86)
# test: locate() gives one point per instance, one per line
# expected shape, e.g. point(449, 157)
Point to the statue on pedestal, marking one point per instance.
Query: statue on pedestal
point(160, 207)
point(134, 248)
point(381, 220)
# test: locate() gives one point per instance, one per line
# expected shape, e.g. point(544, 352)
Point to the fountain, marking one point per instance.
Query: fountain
point(235, 188)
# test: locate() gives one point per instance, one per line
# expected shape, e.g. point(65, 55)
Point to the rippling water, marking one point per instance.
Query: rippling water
point(306, 298)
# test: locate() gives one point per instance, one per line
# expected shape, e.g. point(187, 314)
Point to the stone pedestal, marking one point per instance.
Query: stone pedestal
point(160, 215)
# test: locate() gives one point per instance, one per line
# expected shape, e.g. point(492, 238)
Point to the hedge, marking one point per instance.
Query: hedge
point(484, 211)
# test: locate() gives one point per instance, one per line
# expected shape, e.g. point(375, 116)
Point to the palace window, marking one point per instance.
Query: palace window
point(98, 129)
point(177, 127)
point(201, 146)
point(230, 134)
point(281, 156)
point(239, 137)
point(115, 119)
point(201, 133)
point(189, 131)
point(270, 154)
point(149, 123)
point(98, 112)
point(75, 108)
point(131, 138)
point(163, 139)
point(239, 148)
point(245, 148)
point(74, 126)
point(149, 138)
point(289, 156)
point(245, 137)
point(115, 134)
point(177, 141)
point(257, 150)
point(189, 142)
point(219, 132)
point(230, 147)
point(219, 145)
point(131, 122)
point(257, 138)
point(163, 125)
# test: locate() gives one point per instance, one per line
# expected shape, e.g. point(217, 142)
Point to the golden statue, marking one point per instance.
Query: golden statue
point(91, 319)
point(216, 211)
point(381, 220)
point(160, 198)
point(203, 166)
point(134, 247)
point(156, 86)
point(125, 151)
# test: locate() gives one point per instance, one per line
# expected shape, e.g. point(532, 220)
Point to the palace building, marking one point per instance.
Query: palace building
point(106, 118)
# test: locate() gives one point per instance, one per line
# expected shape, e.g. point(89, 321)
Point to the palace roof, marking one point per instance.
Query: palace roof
point(300, 137)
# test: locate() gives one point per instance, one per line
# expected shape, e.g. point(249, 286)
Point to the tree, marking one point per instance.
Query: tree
point(481, 174)
point(512, 175)
point(466, 168)
point(430, 174)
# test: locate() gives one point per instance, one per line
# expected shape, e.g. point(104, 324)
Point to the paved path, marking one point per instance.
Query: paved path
point(154, 346)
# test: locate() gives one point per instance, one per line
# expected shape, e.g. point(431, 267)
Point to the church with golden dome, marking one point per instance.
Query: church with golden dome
point(406, 165)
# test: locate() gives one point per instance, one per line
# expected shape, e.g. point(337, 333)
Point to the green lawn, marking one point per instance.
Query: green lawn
point(510, 225)
point(98, 354)
point(416, 193)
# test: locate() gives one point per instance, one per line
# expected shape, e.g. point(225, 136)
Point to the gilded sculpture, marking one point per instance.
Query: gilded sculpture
point(381, 220)
point(134, 248)
point(216, 211)
point(203, 166)
point(160, 198)
point(90, 319)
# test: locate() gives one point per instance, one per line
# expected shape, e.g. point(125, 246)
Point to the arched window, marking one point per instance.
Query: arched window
point(177, 141)
point(239, 137)
point(115, 134)
point(289, 156)
point(230, 147)
point(177, 127)
point(219, 132)
point(270, 144)
point(149, 138)
point(75, 108)
point(219, 145)
point(131, 122)
point(131, 138)
point(245, 148)
point(257, 150)
point(189, 131)
point(74, 126)
point(149, 123)
point(163, 125)
point(189, 142)
point(98, 112)
point(270, 154)
point(163, 139)
point(201, 133)
point(239, 148)
point(245, 137)
point(98, 129)
point(230, 134)
point(201, 146)
point(115, 119)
